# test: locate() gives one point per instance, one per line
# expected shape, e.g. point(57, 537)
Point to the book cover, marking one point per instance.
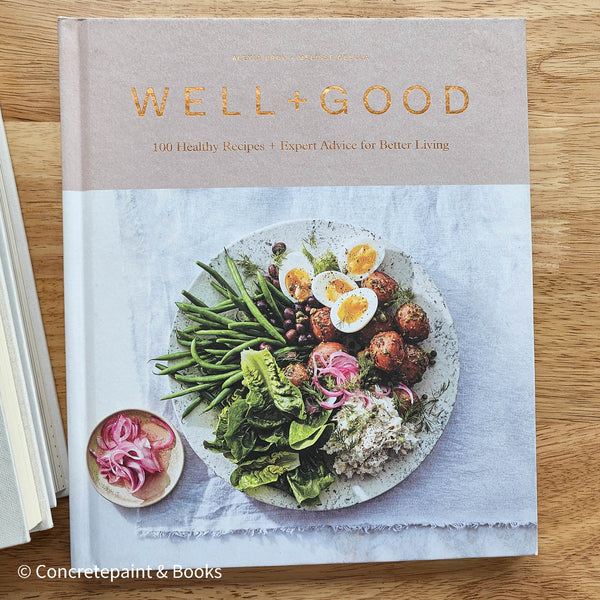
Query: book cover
point(298, 290)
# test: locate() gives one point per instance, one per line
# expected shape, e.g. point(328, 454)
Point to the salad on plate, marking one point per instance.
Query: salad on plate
point(308, 370)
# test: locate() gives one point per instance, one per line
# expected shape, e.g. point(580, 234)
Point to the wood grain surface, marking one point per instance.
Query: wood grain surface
point(563, 41)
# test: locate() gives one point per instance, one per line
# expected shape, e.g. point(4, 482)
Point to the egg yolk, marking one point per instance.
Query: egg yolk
point(336, 288)
point(361, 259)
point(352, 308)
point(297, 283)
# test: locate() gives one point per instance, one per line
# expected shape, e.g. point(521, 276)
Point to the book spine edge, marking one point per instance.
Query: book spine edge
point(72, 53)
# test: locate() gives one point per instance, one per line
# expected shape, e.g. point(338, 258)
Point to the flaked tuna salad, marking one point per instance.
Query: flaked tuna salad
point(366, 436)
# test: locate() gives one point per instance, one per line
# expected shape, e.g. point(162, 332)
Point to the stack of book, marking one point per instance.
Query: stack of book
point(33, 452)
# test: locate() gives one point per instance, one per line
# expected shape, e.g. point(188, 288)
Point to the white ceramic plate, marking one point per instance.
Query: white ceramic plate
point(157, 485)
point(199, 426)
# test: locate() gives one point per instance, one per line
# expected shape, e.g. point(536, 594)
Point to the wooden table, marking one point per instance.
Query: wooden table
point(563, 42)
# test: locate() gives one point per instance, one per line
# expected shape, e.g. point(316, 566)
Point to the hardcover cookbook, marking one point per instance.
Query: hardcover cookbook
point(298, 286)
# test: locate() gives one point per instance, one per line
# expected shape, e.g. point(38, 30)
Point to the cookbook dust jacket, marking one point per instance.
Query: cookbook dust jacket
point(298, 286)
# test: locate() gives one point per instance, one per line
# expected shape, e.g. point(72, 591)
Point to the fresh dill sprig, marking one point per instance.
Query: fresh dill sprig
point(421, 413)
point(368, 375)
point(277, 258)
point(248, 267)
point(308, 254)
point(401, 296)
point(311, 392)
point(311, 240)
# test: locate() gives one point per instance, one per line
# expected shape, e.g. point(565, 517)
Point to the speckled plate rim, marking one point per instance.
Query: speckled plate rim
point(118, 494)
point(199, 426)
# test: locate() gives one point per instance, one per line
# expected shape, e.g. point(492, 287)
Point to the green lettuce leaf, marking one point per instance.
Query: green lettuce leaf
point(263, 470)
point(219, 445)
point(268, 385)
point(310, 479)
point(240, 437)
point(304, 434)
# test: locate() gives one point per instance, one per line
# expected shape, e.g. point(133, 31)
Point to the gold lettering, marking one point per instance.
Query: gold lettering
point(225, 112)
point(465, 102)
point(388, 99)
point(427, 96)
point(297, 100)
point(343, 102)
point(150, 94)
point(259, 111)
point(188, 101)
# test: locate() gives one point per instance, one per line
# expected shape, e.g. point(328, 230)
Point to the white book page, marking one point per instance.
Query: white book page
point(16, 434)
point(29, 330)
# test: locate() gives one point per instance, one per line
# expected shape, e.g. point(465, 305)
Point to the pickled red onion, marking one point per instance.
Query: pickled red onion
point(344, 369)
point(127, 454)
point(169, 442)
point(401, 386)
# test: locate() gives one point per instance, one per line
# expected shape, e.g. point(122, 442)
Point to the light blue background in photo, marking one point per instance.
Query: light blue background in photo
point(474, 495)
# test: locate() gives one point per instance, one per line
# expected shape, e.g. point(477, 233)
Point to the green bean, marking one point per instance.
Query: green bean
point(172, 356)
point(205, 313)
point(191, 406)
point(229, 342)
point(192, 298)
point(216, 400)
point(249, 303)
point(195, 388)
point(176, 367)
point(201, 321)
point(222, 332)
point(279, 295)
point(301, 350)
point(225, 293)
point(204, 344)
point(264, 288)
point(250, 328)
point(245, 345)
point(209, 366)
point(216, 351)
point(191, 379)
point(193, 350)
point(236, 300)
point(183, 335)
point(223, 306)
point(208, 378)
point(233, 379)
point(217, 276)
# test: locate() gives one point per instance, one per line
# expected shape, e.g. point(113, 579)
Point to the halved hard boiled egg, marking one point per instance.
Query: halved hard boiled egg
point(361, 257)
point(354, 309)
point(295, 277)
point(328, 286)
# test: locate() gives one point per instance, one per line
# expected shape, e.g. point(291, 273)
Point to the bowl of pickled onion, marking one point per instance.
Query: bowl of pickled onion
point(134, 458)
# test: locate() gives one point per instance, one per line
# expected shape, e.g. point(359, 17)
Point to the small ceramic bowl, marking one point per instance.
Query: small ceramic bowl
point(157, 485)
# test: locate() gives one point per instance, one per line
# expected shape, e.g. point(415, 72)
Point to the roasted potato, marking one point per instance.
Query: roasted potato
point(297, 373)
point(387, 351)
point(383, 285)
point(321, 325)
point(323, 351)
point(414, 365)
point(412, 322)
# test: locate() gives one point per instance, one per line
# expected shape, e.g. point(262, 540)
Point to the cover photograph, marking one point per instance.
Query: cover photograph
point(298, 291)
